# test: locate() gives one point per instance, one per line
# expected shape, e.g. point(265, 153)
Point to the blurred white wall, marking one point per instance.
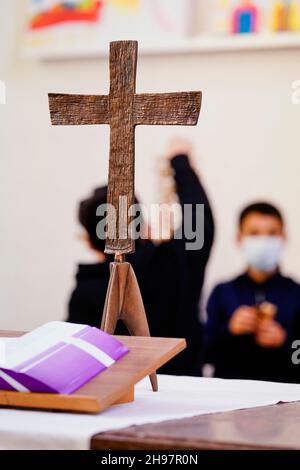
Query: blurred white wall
point(247, 148)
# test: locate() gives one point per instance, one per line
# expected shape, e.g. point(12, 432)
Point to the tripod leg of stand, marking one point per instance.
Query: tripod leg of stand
point(124, 302)
point(114, 298)
point(133, 314)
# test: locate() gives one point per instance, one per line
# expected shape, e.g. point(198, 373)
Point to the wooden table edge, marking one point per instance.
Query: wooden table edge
point(123, 439)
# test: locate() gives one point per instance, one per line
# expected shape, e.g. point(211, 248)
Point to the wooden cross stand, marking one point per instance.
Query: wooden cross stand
point(123, 109)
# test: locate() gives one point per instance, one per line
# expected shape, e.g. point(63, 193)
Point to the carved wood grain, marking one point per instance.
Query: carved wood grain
point(180, 109)
point(123, 61)
point(76, 110)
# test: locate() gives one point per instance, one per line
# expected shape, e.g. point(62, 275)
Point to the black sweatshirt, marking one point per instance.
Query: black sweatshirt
point(170, 279)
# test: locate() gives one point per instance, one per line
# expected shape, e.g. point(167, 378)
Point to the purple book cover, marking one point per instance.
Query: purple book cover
point(58, 357)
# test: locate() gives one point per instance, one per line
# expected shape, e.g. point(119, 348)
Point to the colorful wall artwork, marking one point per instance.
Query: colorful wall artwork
point(245, 17)
point(47, 15)
point(73, 28)
point(256, 16)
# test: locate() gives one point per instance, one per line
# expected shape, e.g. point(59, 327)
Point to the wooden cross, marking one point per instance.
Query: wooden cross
point(123, 109)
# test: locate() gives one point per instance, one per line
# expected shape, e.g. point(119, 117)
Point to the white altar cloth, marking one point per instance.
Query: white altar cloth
point(178, 397)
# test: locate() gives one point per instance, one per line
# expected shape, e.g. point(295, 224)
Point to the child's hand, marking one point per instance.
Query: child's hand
point(243, 321)
point(178, 146)
point(270, 334)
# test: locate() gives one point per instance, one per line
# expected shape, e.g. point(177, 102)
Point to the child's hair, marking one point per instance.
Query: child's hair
point(263, 208)
point(88, 218)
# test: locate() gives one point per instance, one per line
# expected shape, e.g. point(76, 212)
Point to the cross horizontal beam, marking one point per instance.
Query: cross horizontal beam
point(148, 109)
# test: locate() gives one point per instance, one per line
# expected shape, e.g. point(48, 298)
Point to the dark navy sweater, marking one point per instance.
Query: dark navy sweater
point(239, 356)
point(170, 279)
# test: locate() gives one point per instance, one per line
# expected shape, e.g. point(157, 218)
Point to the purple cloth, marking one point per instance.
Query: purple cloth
point(66, 366)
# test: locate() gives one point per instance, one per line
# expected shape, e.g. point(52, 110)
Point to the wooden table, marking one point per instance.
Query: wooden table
point(274, 427)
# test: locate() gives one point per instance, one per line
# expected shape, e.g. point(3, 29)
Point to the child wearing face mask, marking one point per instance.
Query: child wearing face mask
point(252, 320)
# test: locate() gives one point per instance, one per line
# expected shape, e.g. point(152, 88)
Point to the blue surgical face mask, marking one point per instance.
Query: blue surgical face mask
point(262, 253)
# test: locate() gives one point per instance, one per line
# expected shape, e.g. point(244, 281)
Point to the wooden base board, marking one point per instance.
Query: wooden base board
point(114, 386)
point(127, 398)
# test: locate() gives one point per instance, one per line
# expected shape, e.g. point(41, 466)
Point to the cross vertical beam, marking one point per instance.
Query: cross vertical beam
point(123, 61)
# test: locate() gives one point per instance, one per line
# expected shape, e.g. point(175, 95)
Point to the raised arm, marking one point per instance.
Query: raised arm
point(190, 191)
